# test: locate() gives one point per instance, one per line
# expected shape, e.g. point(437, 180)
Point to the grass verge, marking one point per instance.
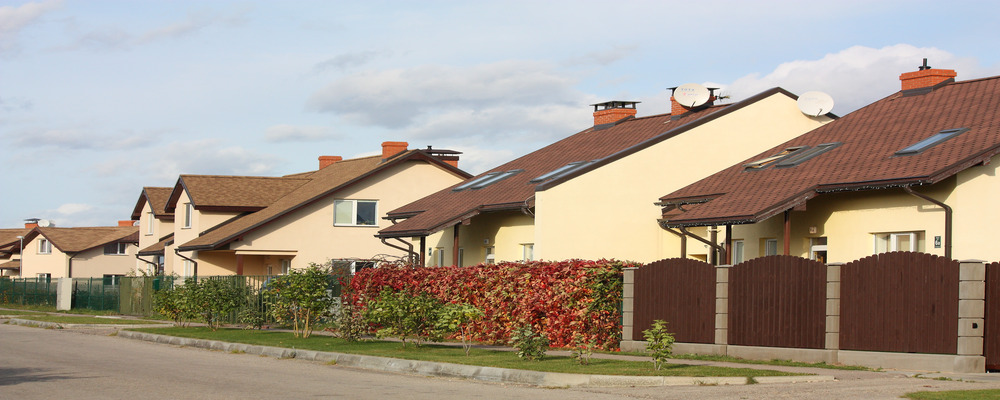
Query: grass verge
point(61, 319)
point(455, 355)
point(52, 309)
point(990, 394)
point(782, 363)
point(19, 312)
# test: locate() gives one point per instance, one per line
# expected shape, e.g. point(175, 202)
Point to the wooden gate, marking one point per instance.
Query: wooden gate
point(900, 302)
point(991, 331)
point(778, 301)
point(679, 291)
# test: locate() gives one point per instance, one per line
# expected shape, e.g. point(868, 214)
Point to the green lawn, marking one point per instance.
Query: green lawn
point(455, 355)
point(991, 394)
point(60, 319)
point(784, 363)
point(19, 312)
point(52, 309)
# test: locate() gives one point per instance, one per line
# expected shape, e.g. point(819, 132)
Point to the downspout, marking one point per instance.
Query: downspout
point(156, 267)
point(454, 245)
point(788, 232)
point(423, 251)
point(700, 239)
point(178, 253)
point(714, 237)
point(69, 266)
point(947, 218)
point(410, 255)
point(663, 225)
point(728, 259)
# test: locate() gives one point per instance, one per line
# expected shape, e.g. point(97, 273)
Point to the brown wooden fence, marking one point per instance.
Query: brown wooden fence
point(900, 302)
point(991, 330)
point(778, 301)
point(679, 291)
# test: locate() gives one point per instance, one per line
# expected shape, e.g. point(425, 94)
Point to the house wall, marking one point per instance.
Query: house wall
point(849, 220)
point(309, 235)
point(94, 263)
point(505, 231)
point(609, 212)
point(200, 222)
point(33, 263)
point(160, 229)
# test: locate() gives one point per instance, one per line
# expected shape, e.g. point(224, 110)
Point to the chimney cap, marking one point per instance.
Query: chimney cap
point(607, 105)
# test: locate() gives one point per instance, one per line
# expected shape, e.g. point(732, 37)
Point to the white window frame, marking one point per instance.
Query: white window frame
point(188, 268)
point(490, 255)
point(286, 266)
point(816, 248)
point(43, 275)
point(738, 251)
point(891, 240)
point(354, 213)
point(121, 249)
point(150, 217)
point(528, 252)
point(439, 256)
point(461, 257)
point(767, 246)
point(44, 246)
point(188, 215)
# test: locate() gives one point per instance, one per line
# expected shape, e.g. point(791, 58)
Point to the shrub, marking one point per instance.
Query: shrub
point(215, 299)
point(659, 342)
point(403, 315)
point(529, 344)
point(303, 297)
point(456, 318)
point(176, 303)
point(559, 299)
point(582, 349)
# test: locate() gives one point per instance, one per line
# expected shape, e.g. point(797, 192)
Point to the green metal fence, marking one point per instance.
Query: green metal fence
point(27, 291)
point(100, 294)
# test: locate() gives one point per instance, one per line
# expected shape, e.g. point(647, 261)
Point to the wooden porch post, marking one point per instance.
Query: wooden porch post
point(454, 246)
point(239, 264)
point(788, 232)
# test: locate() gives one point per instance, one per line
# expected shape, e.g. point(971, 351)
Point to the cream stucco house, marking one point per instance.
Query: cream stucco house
point(914, 171)
point(11, 241)
point(82, 252)
point(224, 225)
point(589, 195)
point(156, 228)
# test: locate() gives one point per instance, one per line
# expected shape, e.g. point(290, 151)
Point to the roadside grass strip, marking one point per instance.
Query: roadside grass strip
point(456, 355)
point(62, 321)
point(988, 394)
point(781, 363)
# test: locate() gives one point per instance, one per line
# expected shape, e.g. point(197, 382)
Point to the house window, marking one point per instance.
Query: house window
point(770, 247)
point(528, 251)
point(486, 180)
point(898, 241)
point(932, 141)
point(115, 249)
point(355, 212)
point(44, 246)
point(737, 251)
point(44, 276)
point(563, 170)
point(149, 222)
point(352, 266)
point(286, 265)
point(817, 249)
point(112, 280)
point(439, 256)
point(490, 257)
point(188, 214)
point(805, 155)
point(188, 268)
point(768, 161)
point(461, 257)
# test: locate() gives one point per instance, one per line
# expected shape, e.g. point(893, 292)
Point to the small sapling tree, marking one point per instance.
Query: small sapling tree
point(404, 315)
point(456, 318)
point(659, 342)
point(530, 345)
point(302, 297)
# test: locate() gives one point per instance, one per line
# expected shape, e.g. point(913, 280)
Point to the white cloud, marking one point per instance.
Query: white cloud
point(342, 62)
point(604, 57)
point(14, 19)
point(81, 139)
point(209, 158)
point(854, 77)
point(70, 209)
point(298, 133)
point(114, 38)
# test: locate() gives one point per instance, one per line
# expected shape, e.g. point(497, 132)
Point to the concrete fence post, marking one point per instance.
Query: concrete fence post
point(628, 303)
point(971, 312)
point(833, 306)
point(722, 304)
point(64, 294)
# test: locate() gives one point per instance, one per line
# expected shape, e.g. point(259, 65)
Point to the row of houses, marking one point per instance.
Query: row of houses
point(722, 183)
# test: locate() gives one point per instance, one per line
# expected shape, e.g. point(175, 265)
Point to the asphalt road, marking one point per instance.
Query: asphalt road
point(44, 364)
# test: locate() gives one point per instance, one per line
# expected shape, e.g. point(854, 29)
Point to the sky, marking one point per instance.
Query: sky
point(101, 98)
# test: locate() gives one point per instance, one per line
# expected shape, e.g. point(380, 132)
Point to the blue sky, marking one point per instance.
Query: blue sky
point(100, 98)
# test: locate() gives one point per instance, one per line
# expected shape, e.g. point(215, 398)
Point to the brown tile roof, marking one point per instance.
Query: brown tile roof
point(157, 197)
point(320, 184)
point(866, 160)
point(158, 247)
point(14, 265)
point(232, 193)
point(8, 238)
point(73, 240)
point(447, 207)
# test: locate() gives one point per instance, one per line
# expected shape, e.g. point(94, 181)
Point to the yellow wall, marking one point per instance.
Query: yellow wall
point(200, 222)
point(609, 212)
point(161, 228)
point(94, 263)
point(308, 234)
point(505, 231)
point(33, 263)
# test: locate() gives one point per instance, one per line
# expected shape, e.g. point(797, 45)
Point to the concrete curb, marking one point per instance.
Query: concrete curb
point(488, 374)
point(56, 325)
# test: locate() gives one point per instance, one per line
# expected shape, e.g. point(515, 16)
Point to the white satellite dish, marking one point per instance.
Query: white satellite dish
point(44, 223)
point(691, 95)
point(815, 104)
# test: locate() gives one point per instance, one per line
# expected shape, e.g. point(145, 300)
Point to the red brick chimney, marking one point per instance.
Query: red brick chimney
point(326, 161)
point(29, 225)
point(390, 149)
point(126, 223)
point(613, 111)
point(677, 109)
point(925, 76)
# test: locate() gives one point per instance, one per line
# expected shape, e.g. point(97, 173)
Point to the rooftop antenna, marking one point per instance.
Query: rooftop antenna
point(923, 67)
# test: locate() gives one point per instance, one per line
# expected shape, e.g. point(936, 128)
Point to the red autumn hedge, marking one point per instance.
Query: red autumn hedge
point(558, 298)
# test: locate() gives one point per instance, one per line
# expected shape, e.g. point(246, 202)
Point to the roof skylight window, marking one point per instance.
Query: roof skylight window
point(932, 141)
point(767, 162)
point(804, 155)
point(486, 180)
point(563, 170)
